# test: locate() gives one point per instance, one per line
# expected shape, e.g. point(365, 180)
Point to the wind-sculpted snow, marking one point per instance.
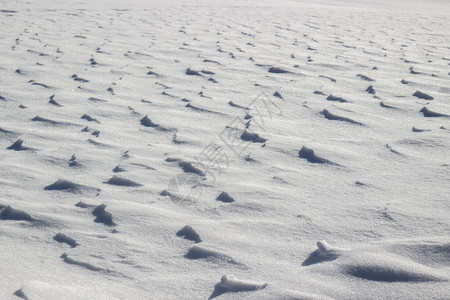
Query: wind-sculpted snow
point(53, 101)
point(67, 259)
point(18, 146)
point(377, 266)
point(198, 252)
point(231, 284)
point(310, 156)
point(68, 186)
point(431, 114)
point(189, 233)
point(48, 121)
point(224, 149)
point(62, 238)
point(330, 116)
point(10, 213)
point(421, 95)
point(335, 98)
point(323, 253)
point(116, 180)
point(225, 197)
point(103, 216)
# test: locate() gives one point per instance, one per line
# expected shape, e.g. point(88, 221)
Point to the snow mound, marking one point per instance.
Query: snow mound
point(191, 72)
point(381, 268)
point(310, 156)
point(431, 114)
point(186, 166)
point(38, 290)
point(189, 233)
point(378, 263)
point(62, 238)
point(13, 214)
point(337, 99)
point(119, 181)
point(324, 252)
point(89, 118)
point(4, 131)
point(17, 146)
point(278, 70)
point(197, 252)
point(231, 284)
point(334, 117)
point(50, 122)
point(422, 95)
point(65, 257)
point(118, 169)
point(146, 122)
point(66, 185)
point(102, 216)
point(252, 137)
point(53, 101)
point(225, 197)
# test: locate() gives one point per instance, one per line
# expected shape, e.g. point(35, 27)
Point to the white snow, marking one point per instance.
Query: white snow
point(224, 149)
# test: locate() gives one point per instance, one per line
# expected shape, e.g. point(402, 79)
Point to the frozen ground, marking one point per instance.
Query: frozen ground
point(337, 189)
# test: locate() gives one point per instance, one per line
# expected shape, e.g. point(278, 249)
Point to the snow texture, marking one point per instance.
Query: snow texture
point(150, 149)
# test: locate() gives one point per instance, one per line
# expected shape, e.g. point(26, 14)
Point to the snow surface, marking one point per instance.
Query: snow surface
point(246, 149)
